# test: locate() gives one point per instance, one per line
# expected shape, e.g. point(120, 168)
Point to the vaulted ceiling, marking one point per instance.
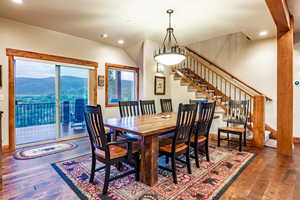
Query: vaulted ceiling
point(136, 20)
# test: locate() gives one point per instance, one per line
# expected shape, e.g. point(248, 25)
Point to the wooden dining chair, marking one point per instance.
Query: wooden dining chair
point(129, 109)
point(180, 142)
point(237, 119)
point(107, 152)
point(147, 107)
point(166, 105)
point(200, 136)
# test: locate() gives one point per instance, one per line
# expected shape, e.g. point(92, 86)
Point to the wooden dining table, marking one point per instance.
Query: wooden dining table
point(149, 127)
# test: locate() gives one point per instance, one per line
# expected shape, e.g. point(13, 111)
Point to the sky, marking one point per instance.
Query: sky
point(32, 69)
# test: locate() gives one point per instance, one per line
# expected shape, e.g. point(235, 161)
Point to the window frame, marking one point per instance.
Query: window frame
point(109, 66)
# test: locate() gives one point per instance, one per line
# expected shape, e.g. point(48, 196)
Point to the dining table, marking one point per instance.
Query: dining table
point(149, 128)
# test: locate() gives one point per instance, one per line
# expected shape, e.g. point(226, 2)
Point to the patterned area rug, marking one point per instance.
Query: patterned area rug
point(44, 150)
point(207, 182)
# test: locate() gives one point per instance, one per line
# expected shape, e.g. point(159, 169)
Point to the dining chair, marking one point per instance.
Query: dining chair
point(129, 109)
point(147, 107)
point(237, 118)
point(179, 144)
point(200, 136)
point(107, 152)
point(166, 105)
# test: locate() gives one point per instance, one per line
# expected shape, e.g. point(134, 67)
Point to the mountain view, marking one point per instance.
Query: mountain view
point(42, 90)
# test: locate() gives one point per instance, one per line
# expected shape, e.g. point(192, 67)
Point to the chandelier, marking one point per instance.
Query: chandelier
point(169, 53)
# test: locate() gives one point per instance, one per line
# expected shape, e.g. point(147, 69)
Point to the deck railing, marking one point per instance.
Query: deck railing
point(43, 113)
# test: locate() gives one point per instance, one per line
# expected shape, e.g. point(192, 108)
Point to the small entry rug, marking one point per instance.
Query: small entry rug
point(43, 150)
point(209, 181)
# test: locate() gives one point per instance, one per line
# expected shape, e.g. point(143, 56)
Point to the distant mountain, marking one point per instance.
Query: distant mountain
point(46, 86)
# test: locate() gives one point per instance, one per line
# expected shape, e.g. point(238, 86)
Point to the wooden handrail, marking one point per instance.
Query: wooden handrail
point(226, 79)
point(230, 75)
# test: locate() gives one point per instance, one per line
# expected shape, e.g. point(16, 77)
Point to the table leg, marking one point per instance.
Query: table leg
point(149, 156)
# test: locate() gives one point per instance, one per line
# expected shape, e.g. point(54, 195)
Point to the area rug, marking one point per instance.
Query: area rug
point(43, 150)
point(207, 182)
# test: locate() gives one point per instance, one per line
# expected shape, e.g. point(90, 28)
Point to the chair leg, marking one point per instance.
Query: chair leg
point(188, 161)
point(196, 156)
point(219, 137)
point(137, 167)
point(106, 180)
point(93, 168)
point(245, 139)
point(206, 151)
point(228, 139)
point(174, 169)
point(241, 140)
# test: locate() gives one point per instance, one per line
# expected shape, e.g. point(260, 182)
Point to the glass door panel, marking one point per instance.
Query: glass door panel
point(35, 110)
point(73, 96)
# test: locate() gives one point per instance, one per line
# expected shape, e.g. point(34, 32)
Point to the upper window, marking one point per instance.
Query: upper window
point(121, 84)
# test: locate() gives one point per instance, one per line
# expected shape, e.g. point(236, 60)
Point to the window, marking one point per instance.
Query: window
point(121, 84)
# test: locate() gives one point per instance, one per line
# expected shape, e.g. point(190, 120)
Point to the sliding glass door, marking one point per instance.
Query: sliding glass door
point(50, 100)
point(73, 95)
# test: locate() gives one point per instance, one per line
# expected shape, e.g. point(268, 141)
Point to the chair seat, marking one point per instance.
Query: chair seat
point(200, 139)
point(131, 136)
point(166, 136)
point(115, 152)
point(232, 129)
point(168, 148)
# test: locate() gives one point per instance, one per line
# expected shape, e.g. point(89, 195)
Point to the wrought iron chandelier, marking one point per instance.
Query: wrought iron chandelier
point(170, 53)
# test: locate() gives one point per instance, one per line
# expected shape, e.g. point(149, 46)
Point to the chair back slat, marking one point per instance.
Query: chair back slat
point(185, 124)
point(129, 108)
point(238, 112)
point(166, 105)
point(95, 127)
point(205, 118)
point(147, 107)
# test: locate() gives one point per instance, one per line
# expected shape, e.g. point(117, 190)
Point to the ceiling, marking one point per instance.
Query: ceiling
point(136, 20)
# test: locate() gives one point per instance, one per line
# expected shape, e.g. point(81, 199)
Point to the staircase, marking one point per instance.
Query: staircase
point(211, 82)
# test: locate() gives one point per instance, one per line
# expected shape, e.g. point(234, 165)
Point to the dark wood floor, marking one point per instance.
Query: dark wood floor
point(269, 176)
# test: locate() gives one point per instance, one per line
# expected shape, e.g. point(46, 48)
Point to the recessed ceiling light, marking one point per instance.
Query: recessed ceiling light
point(263, 33)
point(18, 1)
point(104, 35)
point(121, 41)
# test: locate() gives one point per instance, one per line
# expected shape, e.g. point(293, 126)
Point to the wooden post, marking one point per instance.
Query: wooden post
point(285, 47)
point(11, 102)
point(259, 121)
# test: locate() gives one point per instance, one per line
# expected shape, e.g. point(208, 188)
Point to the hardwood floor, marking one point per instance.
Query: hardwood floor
point(269, 176)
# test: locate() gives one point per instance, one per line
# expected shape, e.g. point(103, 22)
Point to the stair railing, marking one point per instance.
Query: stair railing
point(232, 89)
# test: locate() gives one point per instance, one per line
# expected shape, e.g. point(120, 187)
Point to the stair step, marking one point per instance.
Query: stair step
point(183, 83)
point(200, 95)
point(191, 89)
point(176, 77)
point(218, 97)
point(271, 143)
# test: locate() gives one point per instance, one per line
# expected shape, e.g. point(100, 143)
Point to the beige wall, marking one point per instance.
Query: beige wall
point(254, 62)
point(297, 88)
point(148, 73)
point(21, 36)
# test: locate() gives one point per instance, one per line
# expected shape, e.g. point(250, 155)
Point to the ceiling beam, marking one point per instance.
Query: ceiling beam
point(280, 13)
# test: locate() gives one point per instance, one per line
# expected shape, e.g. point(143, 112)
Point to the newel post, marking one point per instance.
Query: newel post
point(259, 121)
